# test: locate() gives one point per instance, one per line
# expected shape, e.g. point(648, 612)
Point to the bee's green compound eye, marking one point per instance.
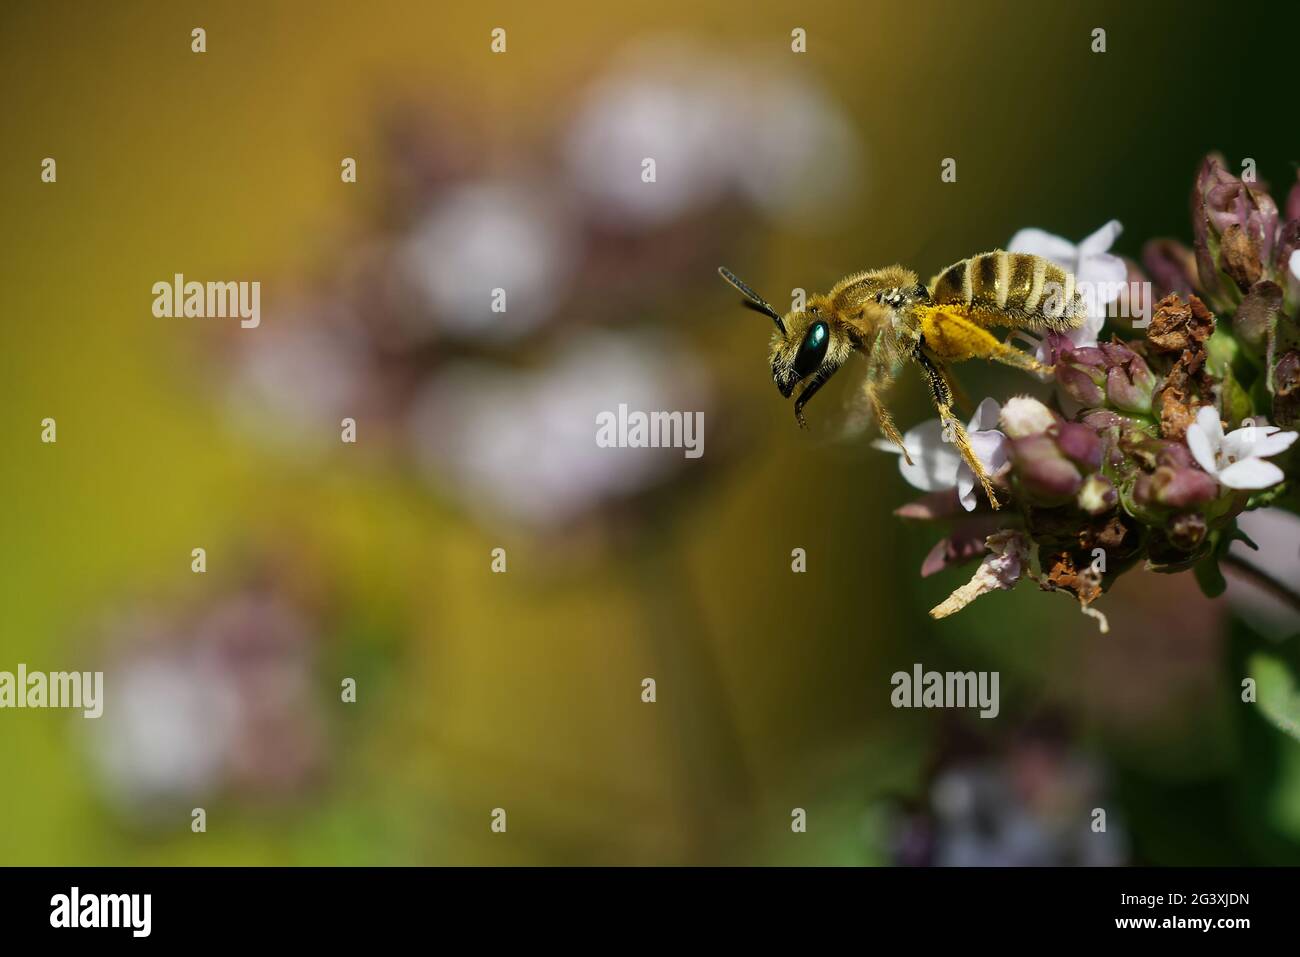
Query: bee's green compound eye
point(813, 349)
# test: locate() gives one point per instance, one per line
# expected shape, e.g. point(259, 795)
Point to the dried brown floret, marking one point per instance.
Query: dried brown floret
point(1063, 574)
point(1179, 326)
point(1180, 396)
point(1182, 328)
point(1239, 253)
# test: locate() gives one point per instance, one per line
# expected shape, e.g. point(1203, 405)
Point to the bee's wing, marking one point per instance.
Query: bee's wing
point(857, 419)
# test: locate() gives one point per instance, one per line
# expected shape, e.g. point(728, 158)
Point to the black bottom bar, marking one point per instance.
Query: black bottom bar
point(334, 906)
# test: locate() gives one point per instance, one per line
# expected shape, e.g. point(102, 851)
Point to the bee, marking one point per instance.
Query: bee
point(890, 318)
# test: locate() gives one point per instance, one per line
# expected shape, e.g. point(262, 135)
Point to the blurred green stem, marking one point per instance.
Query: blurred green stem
point(1263, 579)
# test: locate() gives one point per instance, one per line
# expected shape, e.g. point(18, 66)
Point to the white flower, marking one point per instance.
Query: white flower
point(1098, 274)
point(1024, 415)
point(706, 117)
point(1237, 459)
point(481, 237)
point(1295, 263)
point(523, 443)
point(936, 464)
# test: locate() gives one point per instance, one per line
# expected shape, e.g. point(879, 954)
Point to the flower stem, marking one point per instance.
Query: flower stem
point(1264, 579)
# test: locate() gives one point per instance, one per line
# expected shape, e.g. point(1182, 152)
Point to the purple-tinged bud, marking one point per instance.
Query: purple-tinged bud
point(1102, 420)
point(1175, 487)
point(1097, 495)
point(1288, 241)
point(1176, 455)
point(1187, 531)
point(1114, 353)
point(1234, 203)
point(1172, 266)
point(1119, 433)
point(1235, 227)
point(1057, 344)
point(1129, 380)
point(1207, 270)
point(1107, 374)
point(1045, 474)
point(1109, 426)
point(1080, 444)
point(1081, 383)
point(1088, 357)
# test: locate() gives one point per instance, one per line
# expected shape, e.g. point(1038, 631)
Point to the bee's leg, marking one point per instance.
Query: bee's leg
point(882, 368)
point(806, 392)
point(885, 420)
point(941, 393)
point(953, 336)
point(1019, 359)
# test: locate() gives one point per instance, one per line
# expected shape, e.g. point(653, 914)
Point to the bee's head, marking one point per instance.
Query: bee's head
point(808, 346)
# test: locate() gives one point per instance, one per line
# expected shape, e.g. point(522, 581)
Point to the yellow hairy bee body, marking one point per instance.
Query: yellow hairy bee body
point(1011, 289)
point(890, 318)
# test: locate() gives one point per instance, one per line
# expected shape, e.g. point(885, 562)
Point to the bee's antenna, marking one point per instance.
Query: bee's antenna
point(753, 299)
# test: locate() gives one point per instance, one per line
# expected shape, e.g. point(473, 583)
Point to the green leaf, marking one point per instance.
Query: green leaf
point(1277, 694)
point(1209, 576)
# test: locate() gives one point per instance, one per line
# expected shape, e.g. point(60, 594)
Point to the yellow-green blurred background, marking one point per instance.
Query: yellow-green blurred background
point(523, 691)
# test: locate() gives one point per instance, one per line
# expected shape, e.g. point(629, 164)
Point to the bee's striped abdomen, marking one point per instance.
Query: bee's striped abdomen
point(1012, 289)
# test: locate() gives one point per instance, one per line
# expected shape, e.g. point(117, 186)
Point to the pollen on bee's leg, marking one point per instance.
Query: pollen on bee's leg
point(989, 492)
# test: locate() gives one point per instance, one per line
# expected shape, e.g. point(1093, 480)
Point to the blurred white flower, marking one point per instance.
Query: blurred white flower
point(197, 707)
point(308, 372)
point(713, 123)
point(524, 443)
point(167, 732)
point(802, 162)
point(508, 235)
point(936, 463)
point(1237, 459)
point(662, 104)
point(1022, 812)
